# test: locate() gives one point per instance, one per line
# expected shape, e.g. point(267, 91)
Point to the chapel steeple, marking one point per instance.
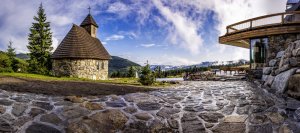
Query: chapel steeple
point(89, 24)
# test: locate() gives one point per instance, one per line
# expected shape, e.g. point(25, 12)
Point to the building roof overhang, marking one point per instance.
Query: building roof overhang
point(287, 23)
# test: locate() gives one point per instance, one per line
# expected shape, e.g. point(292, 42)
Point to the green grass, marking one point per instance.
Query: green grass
point(177, 76)
point(122, 81)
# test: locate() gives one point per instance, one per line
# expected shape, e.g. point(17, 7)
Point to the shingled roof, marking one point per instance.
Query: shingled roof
point(89, 20)
point(79, 44)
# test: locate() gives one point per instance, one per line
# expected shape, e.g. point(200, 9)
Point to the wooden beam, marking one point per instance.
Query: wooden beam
point(260, 32)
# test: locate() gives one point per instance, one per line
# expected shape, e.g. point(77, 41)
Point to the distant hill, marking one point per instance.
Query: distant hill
point(22, 56)
point(118, 63)
point(115, 64)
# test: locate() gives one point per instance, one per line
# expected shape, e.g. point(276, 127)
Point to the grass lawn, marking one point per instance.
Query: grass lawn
point(125, 81)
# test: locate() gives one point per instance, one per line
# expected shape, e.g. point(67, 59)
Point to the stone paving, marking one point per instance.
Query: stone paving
point(193, 107)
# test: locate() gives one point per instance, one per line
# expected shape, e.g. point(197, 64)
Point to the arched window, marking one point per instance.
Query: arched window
point(102, 66)
point(98, 65)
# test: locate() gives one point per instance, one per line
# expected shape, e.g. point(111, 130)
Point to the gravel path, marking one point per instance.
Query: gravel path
point(193, 107)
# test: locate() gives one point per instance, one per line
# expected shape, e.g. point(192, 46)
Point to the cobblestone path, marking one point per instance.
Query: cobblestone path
point(193, 107)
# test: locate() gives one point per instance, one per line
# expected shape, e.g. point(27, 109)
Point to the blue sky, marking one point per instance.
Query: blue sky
point(169, 32)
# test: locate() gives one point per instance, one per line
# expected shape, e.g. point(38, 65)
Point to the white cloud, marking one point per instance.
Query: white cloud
point(148, 45)
point(115, 37)
point(183, 31)
point(119, 8)
point(184, 28)
point(172, 60)
point(60, 20)
point(104, 43)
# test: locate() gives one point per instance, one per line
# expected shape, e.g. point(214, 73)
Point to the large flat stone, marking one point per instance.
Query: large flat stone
point(267, 70)
point(228, 109)
point(273, 62)
point(229, 128)
point(235, 118)
point(167, 112)
point(5, 102)
point(269, 80)
point(191, 124)
point(18, 109)
point(275, 117)
point(51, 118)
point(41, 128)
point(116, 103)
point(211, 117)
point(107, 121)
point(261, 128)
point(130, 110)
point(280, 54)
point(281, 81)
point(43, 105)
point(143, 116)
point(36, 111)
point(74, 112)
point(147, 106)
point(293, 86)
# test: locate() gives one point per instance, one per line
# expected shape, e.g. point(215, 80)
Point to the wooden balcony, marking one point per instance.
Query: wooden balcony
point(238, 34)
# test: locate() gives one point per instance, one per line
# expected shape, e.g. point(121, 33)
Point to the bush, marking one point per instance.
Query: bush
point(19, 65)
point(6, 70)
point(147, 78)
point(5, 62)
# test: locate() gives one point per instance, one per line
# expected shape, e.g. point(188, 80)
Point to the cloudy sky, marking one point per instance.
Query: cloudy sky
point(169, 32)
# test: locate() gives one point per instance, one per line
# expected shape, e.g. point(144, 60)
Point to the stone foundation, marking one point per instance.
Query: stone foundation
point(283, 61)
point(81, 68)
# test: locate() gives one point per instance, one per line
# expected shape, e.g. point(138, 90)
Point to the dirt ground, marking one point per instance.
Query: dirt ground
point(66, 88)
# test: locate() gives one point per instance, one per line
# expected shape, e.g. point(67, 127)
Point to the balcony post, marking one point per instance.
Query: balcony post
point(282, 18)
point(227, 29)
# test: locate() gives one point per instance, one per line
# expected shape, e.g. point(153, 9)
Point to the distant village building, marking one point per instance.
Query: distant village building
point(81, 54)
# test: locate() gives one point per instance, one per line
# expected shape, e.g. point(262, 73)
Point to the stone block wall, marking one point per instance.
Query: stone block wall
point(81, 68)
point(279, 43)
point(283, 61)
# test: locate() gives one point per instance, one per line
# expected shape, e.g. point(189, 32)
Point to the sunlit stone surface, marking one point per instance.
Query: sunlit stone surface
point(223, 107)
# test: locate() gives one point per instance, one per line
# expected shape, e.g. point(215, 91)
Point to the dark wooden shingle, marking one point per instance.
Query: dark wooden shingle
point(79, 44)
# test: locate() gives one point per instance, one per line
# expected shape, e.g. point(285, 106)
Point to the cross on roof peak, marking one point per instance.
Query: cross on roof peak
point(89, 9)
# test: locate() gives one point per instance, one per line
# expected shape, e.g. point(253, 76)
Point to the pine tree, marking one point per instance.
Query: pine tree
point(147, 78)
point(131, 71)
point(40, 44)
point(11, 53)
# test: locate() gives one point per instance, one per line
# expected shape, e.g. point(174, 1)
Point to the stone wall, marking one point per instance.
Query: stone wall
point(279, 43)
point(283, 61)
point(81, 68)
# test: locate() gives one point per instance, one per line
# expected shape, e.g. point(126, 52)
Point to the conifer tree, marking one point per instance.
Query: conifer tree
point(147, 77)
point(11, 53)
point(40, 44)
point(131, 71)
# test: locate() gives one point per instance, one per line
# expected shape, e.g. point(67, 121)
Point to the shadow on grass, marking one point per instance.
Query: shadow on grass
point(65, 88)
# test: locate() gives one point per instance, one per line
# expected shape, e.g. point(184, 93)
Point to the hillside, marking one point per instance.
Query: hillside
point(118, 63)
point(22, 56)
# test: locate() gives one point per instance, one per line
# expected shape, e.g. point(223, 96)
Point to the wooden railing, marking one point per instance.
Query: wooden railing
point(264, 21)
